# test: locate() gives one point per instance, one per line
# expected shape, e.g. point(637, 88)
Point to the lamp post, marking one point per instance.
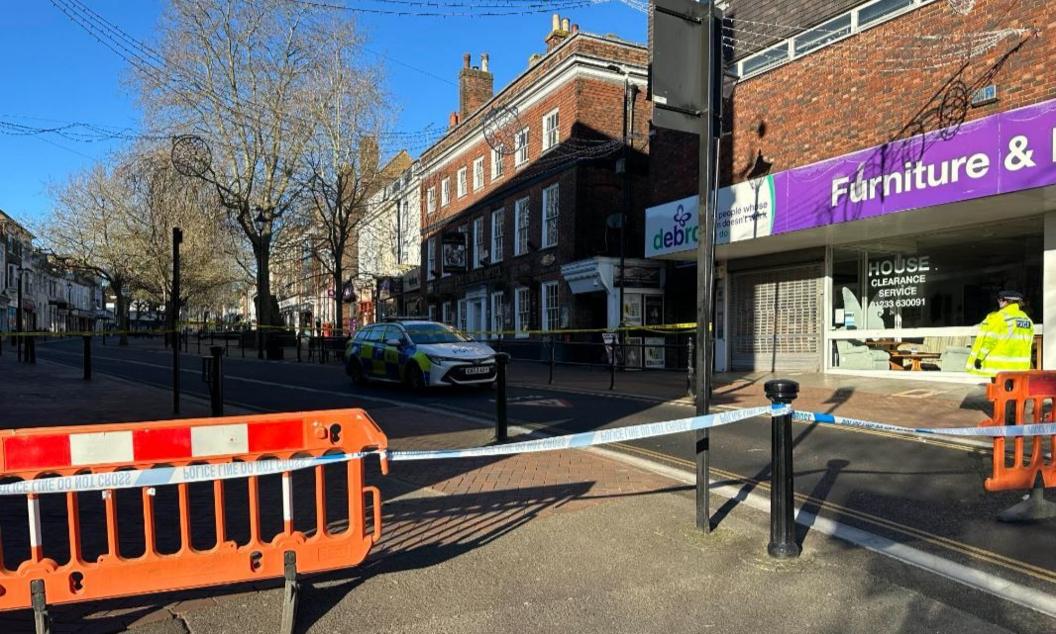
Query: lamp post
point(629, 91)
point(259, 221)
point(69, 304)
point(18, 315)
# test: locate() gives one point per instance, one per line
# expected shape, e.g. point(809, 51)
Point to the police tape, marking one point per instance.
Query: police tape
point(601, 437)
point(1035, 429)
point(137, 478)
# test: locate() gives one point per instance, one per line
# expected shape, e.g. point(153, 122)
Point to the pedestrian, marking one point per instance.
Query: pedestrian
point(1005, 337)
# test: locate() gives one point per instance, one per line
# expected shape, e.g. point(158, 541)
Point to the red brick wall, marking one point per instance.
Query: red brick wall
point(837, 100)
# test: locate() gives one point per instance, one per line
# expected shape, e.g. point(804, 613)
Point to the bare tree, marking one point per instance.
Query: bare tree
point(348, 110)
point(88, 229)
point(235, 75)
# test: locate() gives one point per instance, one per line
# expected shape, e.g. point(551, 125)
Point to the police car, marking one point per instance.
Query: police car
point(418, 353)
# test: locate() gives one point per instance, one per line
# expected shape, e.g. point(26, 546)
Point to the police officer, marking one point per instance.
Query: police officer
point(1004, 339)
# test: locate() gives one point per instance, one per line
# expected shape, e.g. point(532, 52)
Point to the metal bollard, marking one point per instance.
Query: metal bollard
point(550, 381)
point(87, 357)
point(199, 342)
point(298, 337)
point(213, 376)
point(227, 343)
point(782, 520)
point(501, 422)
point(242, 342)
point(612, 366)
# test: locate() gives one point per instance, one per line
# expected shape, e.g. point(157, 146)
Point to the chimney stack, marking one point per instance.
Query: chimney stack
point(559, 32)
point(475, 86)
point(452, 121)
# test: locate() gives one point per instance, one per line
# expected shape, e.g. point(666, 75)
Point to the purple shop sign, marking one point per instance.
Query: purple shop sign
point(1003, 153)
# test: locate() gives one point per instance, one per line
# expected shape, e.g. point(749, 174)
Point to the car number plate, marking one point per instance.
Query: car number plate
point(479, 369)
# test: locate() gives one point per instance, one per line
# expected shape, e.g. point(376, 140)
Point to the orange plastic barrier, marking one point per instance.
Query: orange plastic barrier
point(222, 442)
point(1021, 398)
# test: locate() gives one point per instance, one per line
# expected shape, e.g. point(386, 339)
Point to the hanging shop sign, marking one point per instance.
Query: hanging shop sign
point(453, 251)
point(1002, 153)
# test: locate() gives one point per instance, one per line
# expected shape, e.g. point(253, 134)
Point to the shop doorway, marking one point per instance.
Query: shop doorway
point(775, 319)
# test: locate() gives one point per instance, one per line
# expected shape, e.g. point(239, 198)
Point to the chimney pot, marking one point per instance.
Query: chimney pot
point(564, 25)
point(453, 120)
point(575, 28)
point(556, 22)
point(465, 60)
point(484, 62)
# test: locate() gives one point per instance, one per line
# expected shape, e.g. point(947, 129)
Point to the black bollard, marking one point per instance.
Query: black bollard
point(242, 342)
point(216, 381)
point(551, 379)
point(501, 422)
point(782, 519)
point(612, 366)
point(87, 357)
point(298, 348)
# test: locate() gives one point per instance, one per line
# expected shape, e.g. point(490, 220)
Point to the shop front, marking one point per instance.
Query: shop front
point(887, 259)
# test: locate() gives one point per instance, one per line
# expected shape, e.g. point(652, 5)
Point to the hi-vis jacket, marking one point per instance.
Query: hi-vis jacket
point(1003, 343)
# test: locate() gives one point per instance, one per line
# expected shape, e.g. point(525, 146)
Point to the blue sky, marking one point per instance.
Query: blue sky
point(54, 72)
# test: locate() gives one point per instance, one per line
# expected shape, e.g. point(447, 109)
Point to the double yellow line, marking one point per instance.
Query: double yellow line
point(973, 552)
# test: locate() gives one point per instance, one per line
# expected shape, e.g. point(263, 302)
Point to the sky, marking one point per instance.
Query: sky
point(55, 73)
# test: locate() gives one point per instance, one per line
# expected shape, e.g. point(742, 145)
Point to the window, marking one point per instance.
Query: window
point(446, 312)
point(478, 173)
point(521, 145)
point(767, 59)
point(496, 165)
point(430, 200)
point(551, 308)
point(462, 182)
point(430, 260)
point(496, 235)
point(520, 218)
point(872, 13)
point(550, 130)
point(445, 191)
point(478, 242)
point(432, 312)
point(497, 315)
point(822, 35)
point(522, 311)
point(551, 196)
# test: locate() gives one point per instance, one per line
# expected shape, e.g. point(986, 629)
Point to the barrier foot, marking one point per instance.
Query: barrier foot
point(1035, 507)
point(290, 592)
point(41, 619)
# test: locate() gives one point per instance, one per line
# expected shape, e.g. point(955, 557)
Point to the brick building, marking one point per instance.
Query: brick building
point(887, 167)
point(521, 200)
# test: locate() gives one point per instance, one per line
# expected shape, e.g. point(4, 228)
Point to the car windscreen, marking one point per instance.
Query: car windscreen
point(434, 333)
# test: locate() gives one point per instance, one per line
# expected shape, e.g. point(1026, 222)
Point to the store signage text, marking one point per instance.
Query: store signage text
point(899, 281)
point(918, 175)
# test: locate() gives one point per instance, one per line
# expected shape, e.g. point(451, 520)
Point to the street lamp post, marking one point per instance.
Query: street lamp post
point(18, 315)
point(69, 304)
point(629, 91)
point(259, 221)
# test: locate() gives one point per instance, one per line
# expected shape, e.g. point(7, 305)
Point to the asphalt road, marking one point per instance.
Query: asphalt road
point(927, 495)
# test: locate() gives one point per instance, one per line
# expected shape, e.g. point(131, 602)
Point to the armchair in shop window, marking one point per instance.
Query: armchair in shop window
point(855, 355)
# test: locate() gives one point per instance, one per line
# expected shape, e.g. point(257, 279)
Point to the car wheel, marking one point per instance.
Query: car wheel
point(414, 378)
point(355, 370)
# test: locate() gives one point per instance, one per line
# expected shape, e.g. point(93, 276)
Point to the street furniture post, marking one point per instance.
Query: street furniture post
point(501, 422)
point(782, 521)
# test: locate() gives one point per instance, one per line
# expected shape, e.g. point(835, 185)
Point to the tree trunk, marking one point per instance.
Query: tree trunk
point(262, 251)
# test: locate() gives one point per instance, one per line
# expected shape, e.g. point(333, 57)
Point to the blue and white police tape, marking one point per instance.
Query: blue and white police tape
point(1036, 429)
point(188, 474)
point(601, 437)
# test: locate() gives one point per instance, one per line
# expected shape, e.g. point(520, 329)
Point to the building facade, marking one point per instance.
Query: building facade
point(18, 268)
point(886, 168)
point(522, 199)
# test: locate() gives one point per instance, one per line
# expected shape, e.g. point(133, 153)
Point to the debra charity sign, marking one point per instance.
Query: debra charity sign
point(1002, 153)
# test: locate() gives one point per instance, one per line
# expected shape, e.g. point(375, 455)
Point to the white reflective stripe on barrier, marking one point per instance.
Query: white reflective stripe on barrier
point(590, 438)
point(1036, 429)
point(169, 475)
point(229, 470)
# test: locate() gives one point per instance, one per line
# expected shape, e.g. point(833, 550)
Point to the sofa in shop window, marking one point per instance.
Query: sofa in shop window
point(855, 355)
point(953, 351)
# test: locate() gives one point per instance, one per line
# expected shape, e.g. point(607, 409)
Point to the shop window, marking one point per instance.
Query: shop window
point(919, 298)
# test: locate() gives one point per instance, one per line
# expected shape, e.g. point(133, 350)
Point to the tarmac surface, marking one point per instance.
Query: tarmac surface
point(566, 541)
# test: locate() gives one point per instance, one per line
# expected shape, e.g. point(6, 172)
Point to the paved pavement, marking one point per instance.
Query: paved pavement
point(574, 540)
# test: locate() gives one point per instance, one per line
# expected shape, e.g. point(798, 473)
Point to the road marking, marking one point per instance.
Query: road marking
point(986, 582)
point(1016, 565)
